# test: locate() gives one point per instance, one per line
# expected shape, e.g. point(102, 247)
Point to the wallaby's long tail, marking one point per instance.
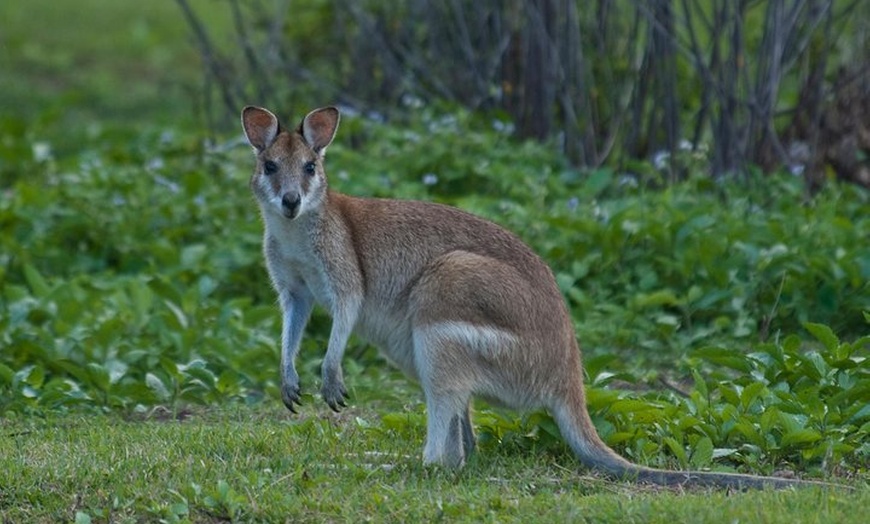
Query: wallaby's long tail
point(579, 432)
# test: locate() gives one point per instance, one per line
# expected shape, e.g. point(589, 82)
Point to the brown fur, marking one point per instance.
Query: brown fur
point(457, 302)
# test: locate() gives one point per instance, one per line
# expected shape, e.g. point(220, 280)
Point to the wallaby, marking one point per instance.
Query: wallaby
point(458, 303)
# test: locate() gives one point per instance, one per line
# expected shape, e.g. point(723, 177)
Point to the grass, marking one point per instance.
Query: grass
point(96, 62)
point(260, 465)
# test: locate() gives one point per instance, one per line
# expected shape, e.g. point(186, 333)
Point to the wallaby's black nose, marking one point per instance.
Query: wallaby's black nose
point(290, 202)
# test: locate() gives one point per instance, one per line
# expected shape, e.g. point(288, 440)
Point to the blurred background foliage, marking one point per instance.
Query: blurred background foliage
point(767, 84)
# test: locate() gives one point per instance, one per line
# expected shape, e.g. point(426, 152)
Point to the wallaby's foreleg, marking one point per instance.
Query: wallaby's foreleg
point(343, 319)
point(296, 308)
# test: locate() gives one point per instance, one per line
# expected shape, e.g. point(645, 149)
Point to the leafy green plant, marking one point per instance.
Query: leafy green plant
point(146, 288)
point(782, 403)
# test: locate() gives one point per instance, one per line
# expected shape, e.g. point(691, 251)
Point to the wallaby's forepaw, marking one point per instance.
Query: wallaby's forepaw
point(291, 395)
point(334, 393)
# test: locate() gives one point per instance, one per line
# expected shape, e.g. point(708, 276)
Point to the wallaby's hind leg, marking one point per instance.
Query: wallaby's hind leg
point(457, 343)
point(445, 434)
point(468, 440)
point(449, 436)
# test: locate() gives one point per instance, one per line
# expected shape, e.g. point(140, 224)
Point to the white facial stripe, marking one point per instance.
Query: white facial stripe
point(265, 193)
point(314, 195)
point(311, 191)
point(487, 340)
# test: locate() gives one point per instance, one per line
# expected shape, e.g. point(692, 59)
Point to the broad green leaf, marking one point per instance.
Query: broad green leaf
point(192, 255)
point(748, 430)
point(400, 421)
point(823, 334)
point(203, 375)
point(702, 454)
point(6, 374)
point(631, 406)
point(792, 422)
point(723, 452)
point(800, 436)
point(750, 393)
point(172, 368)
point(32, 375)
point(618, 437)
point(769, 419)
point(597, 181)
point(117, 370)
point(156, 385)
point(29, 392)
point(179, 508)
point(791, 344)
point(99, 376)
point(709, 299)
point(819, 368)
point(142, 298)
point(35, 280)
point(678, 450)
point(700, 383)
point(729, 394)
point(724, 357)
point(179, 315)
point(861, 415)
point(665, 297)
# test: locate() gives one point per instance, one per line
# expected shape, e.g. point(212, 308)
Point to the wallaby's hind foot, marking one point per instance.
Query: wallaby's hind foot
point(446, 436)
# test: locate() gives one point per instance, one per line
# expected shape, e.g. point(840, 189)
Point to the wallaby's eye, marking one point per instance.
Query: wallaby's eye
point(269, 167)
point(309, 168)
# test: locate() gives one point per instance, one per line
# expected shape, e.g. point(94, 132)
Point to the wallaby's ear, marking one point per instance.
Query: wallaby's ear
point(261, 127)
point(319, 127)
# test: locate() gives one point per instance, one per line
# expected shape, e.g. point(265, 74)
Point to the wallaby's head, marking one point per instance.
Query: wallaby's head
point(289, 178)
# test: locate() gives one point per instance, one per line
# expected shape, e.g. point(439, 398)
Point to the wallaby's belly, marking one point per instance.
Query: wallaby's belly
point(390, 332)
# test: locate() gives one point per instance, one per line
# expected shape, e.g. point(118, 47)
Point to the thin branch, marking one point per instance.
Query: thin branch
point(224, 83)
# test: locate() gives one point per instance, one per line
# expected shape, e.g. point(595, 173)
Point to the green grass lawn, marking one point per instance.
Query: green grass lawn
point(92, 62)
point(259, 464)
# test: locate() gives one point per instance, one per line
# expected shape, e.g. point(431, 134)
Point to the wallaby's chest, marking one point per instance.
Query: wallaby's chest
point(295, 261)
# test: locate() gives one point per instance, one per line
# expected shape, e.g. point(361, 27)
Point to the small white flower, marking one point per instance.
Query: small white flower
point(501, 126)
point(600, 214)
point(169, 184)
point(430, 179)
point(348, 111)
point(409, 100)
point(41, 151)
point(376, 117)
point(660, 159)
point(628, 180)
point(155, 164)
point(796, 169)
point(573, 202)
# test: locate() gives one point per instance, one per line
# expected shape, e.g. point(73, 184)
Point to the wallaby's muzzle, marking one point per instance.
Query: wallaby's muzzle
point(290, 204)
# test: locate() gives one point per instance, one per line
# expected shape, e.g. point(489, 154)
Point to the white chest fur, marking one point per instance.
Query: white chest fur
point(293, 260)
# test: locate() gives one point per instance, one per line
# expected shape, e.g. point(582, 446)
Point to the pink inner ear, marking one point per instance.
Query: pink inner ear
point(319, 128)
point(259, 119)
point(261, 127)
